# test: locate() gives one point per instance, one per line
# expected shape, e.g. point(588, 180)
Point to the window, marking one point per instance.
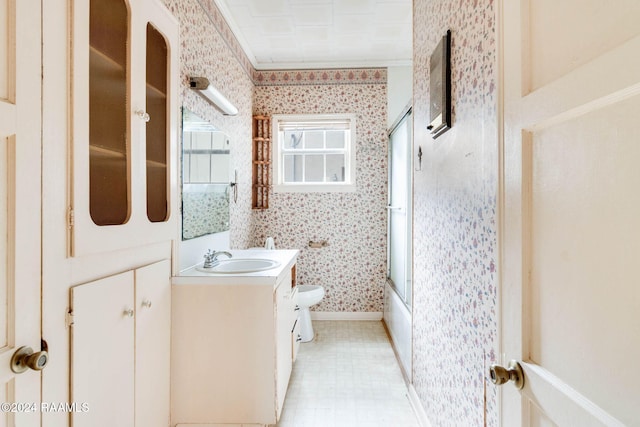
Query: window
point(314, 153)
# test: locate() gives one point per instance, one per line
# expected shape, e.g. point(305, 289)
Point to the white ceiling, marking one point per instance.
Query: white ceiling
point(281, 34)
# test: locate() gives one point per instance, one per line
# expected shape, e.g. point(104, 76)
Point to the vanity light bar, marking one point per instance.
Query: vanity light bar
point(211, 94)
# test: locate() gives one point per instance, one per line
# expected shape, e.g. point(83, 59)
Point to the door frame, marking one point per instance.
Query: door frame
point(405, 114)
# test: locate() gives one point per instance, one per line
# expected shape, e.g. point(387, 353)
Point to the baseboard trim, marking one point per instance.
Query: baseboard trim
point(346, 315)
point(421, 415)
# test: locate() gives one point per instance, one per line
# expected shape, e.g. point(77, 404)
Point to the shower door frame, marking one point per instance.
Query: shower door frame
point(406, 294)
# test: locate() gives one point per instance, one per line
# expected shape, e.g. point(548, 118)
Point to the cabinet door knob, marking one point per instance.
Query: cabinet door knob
point(143, 115)
point(128, 312)
point(146, 303)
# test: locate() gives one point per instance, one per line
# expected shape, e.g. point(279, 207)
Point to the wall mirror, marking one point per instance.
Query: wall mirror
point(206, 186)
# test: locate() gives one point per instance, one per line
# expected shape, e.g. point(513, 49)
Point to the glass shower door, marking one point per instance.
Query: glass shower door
point(399, 208)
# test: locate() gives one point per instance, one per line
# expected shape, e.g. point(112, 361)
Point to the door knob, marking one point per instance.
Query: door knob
point(500, 375)
point(143, 115)
point(24, 358)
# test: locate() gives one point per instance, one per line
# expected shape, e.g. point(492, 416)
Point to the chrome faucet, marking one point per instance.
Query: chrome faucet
point(211, 258)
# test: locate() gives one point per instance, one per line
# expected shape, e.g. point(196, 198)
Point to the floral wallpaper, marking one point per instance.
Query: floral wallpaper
point(208, 48)
point(204, 211)
point(306, 77)
point(455, 219)
point(352, 268)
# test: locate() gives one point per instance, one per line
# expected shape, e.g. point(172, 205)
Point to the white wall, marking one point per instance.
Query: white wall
point(399, 91)
point(192, 251)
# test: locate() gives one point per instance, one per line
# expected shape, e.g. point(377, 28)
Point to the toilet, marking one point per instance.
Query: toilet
point(308, 295)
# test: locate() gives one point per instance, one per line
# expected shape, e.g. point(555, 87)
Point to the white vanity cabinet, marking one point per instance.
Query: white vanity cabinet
point(124, 103)
point(232, 348)
point(120, 346)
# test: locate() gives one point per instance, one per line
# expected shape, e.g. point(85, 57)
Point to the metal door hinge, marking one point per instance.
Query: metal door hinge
point(70, 218)
point(69, 321)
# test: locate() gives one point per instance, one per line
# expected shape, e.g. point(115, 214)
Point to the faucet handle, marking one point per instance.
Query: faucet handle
point(209, 257)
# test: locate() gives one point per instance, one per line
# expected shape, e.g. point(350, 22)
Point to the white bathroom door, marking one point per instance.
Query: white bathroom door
point(20, 200)
point(571, 211)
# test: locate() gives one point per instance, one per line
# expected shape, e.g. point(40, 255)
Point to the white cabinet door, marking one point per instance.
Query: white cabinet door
point(102, 351)
point(286, 297)
point(570, 288)
point(121, 343)
point(20, 202)
point(284, 326)
point(111, 200)
point(153, 344)
point(223, 354)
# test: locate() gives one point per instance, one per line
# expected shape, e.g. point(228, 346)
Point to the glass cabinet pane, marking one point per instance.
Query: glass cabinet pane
point(157, 135)
point(108, 129)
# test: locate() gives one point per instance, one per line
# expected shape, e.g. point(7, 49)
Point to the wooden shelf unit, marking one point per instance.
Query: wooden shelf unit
point(261, 162)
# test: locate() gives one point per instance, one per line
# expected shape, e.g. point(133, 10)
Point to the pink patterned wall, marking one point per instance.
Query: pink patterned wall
point(352, 268)
point(455, 231)
point(208, 48)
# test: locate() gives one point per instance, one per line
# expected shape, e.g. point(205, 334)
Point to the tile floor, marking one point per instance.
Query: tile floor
point(347, 376)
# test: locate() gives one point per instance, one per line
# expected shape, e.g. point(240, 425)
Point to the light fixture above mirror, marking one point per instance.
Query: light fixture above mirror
point(211, 94)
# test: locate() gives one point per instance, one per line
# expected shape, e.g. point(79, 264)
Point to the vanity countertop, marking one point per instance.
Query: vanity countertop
point(286, 258)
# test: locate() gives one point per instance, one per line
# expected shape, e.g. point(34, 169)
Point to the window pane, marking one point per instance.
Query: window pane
point(292, 140)
point(293, 168)
point(313, 139)
point(314, 168)
point(335, 138)
point(314, 150)
point(335, 168)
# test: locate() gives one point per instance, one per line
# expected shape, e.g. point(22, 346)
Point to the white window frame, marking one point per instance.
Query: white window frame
point(279, 186)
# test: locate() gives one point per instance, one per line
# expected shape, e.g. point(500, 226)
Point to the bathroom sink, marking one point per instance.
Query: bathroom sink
point(240, 265)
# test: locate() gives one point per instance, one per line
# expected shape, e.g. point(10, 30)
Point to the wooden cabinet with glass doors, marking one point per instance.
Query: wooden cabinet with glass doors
point(124, 123)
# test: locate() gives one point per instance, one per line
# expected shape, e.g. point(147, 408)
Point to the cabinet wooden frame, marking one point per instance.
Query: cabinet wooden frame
point(85, 236)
